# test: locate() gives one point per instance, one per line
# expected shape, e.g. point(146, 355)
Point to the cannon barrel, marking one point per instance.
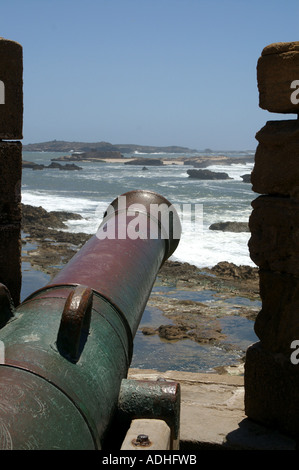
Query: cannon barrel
point(68, 346)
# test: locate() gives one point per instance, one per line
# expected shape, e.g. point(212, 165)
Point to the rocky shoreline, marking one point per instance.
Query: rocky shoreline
point(52, 246)
point(208, 175)
point(53, 165)
point(197, 161)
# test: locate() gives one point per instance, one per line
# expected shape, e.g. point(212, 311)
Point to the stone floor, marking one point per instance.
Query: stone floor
point(212, 413)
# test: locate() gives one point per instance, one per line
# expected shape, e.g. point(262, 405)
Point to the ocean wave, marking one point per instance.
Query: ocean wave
point(146, 153)
point(235, 171)
point(211, 248)
point(52, 202)
point(89, 192)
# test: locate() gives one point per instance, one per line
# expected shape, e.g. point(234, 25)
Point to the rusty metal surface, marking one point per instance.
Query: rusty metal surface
point(123, 269)
point(73, 340)
point(75, 322)
point(144, 201)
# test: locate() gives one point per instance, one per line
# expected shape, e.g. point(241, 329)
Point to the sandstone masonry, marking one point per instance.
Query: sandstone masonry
point(11, 122)
point(271, 378)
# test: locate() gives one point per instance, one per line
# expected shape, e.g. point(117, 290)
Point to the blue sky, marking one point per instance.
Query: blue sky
point(150, 72)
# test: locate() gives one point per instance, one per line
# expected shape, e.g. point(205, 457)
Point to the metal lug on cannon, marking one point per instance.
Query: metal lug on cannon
point(75, 322)
point(7, 309)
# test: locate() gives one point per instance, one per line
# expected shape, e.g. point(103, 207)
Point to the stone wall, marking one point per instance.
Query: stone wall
point(11, 124)
point(271, 376)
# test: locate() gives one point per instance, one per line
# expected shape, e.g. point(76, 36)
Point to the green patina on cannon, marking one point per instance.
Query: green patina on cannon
point(68, 347)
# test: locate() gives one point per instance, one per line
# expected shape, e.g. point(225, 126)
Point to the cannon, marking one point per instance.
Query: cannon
point(66, 349)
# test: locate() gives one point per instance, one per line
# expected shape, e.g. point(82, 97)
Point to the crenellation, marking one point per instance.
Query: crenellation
point(271, 376)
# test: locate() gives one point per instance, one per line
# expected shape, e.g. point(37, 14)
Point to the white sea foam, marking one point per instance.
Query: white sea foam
point(136, 152)
point(91, 211)
point(202, 248)
point(234, 171)
point(90, 191)
point(50, 202)
point(214, 247)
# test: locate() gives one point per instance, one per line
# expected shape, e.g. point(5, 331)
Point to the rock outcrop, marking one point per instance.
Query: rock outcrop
point(246, 178)
point(207, 175)
point(92, 156)
point(38, 166)
point(34, 217)
point(230, 226)
point(32, 165)
point(145, 161)
point(47, 230)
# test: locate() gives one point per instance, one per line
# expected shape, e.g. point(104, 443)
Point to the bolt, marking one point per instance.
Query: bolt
point(161, 379)
point(141, 440)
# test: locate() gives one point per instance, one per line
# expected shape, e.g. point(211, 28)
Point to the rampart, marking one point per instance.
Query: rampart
point(11, 131)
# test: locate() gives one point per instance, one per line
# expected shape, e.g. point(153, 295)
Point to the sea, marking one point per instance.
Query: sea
point(89, 192)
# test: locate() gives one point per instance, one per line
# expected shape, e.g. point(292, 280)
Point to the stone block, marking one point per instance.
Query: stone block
point(156, 430)
point(277, 70)
point(10, 217)
point(276, 169)
point(10, 260)
point(277, 324)
point(11, 90)
point(274, 227)
point(271, 390)
point(10, 181)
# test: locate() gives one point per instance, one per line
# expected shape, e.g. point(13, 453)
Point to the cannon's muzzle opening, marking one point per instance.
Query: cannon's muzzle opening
point(158, 210)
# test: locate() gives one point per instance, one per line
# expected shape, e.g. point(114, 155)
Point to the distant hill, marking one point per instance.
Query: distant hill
point(64, 146)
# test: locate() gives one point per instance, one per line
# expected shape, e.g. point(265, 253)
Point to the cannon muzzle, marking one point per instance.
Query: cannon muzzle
point(68, 346)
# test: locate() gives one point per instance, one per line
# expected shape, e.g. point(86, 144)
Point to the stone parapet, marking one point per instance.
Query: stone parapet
point(11, 123)
point(11, 80)
point(271, 378)
point(271, 390)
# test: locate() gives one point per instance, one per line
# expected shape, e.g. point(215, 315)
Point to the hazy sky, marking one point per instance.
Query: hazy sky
point(150, 72)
